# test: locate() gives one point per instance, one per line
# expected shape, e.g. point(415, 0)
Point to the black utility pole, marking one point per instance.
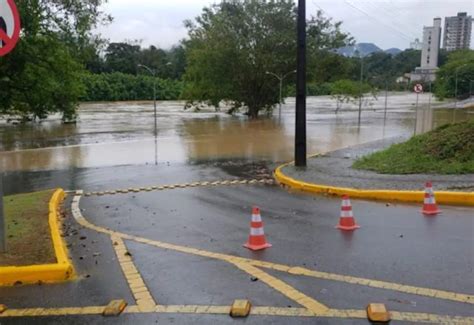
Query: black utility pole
point(300, 125)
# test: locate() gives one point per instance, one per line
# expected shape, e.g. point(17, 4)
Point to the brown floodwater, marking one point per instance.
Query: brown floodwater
point(111, 134)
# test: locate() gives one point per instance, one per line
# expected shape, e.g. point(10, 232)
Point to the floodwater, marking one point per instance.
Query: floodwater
point(113, 134)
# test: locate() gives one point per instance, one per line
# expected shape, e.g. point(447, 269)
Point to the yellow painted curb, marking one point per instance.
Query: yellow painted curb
point(45, 273)
point(442, 197)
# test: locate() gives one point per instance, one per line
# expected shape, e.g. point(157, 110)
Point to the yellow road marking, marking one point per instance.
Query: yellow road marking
point(430, 318)
point(313, 307)
point(193, 309)
point(311, 304)
point(135, 281)
point(95, 310)
point(224, 310)
point(268, 181)
point(433, 293)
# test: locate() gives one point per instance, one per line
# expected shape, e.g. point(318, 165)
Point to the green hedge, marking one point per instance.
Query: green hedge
point(120, 86)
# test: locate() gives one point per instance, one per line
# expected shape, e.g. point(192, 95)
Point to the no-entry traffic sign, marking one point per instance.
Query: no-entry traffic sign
point(418, 88)
point(9, 26)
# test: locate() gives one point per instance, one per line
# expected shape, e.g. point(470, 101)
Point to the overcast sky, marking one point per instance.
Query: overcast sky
point(387, 23)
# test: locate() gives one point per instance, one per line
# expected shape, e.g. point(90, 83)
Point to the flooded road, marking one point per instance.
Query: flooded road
point(115, 134)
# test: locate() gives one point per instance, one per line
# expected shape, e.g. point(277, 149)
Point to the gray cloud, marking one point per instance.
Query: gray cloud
point(387, 23)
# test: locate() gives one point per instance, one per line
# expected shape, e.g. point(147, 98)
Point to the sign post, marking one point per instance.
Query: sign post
point(9, 27)
point(418, 89)
point(9, 36)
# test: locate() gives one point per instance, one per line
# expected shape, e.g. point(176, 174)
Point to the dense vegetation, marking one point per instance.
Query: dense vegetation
point(231, 46)
point(448, 149)
point(41, 75)
point(460, 66)
point(234, 44)
point(118, 86)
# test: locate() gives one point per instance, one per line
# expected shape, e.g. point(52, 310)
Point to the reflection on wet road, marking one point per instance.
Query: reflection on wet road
point(111, 134)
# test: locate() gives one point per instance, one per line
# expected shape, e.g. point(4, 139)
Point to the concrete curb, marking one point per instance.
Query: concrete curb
point(46, 273)
point(442, 197)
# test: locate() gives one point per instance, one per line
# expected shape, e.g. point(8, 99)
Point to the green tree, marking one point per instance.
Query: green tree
point(41, 75)
point(460, 66)
point(405, 62)
point(125, 57)
point(177, 60)
point(122, 57)
point(233, 44)
point(120, 86)
point(345, 91)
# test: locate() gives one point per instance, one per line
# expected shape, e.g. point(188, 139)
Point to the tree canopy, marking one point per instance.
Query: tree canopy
point(460, 66)
point(125, 57)
point(345, 91)
point(40, 76)
point(233, 44)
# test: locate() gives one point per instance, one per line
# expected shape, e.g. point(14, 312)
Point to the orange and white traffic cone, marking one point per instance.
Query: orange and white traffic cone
point(257, 239)
point(430, 207)
point(347, 221)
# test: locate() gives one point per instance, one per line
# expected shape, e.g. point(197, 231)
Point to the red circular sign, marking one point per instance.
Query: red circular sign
point(9, 41)
point(418, 88)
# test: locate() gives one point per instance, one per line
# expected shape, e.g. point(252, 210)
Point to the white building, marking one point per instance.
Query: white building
point(416, 44)
point(429, 53)
point(457, 32)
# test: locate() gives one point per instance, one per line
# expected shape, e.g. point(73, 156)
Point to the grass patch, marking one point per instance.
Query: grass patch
point(448, 149)
point(27, 230)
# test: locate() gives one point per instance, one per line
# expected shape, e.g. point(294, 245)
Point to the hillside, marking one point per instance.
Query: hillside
point(448, 149)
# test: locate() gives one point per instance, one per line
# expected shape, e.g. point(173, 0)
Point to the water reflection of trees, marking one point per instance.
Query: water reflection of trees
point(36, 135)
point(222, 137)
point(43, 159)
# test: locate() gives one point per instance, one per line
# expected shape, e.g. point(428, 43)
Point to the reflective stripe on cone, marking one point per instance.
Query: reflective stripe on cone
point(346, 220)
point(430, 207)
point(257, 240)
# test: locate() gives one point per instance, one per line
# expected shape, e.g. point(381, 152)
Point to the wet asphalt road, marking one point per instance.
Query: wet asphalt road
point(395, 243)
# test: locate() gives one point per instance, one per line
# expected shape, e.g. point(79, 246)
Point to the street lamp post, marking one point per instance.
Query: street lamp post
point(153, 73)
point(360, 86)
point(281, 79)
point(386, 102)
point(300, 116)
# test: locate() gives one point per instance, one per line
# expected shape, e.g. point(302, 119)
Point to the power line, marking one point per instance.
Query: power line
point(401, 33)
point(389, 15)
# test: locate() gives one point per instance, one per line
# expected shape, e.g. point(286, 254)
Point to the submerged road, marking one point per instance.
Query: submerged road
point(175, 254)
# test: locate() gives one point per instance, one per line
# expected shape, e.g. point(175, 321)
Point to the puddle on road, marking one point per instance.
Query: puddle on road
point(110, 134)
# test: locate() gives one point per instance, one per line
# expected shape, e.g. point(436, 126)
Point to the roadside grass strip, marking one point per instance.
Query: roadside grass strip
point(62, 270)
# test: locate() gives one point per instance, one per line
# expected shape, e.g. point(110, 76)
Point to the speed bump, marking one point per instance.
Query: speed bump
point(240, 308)
point(378, 313)
point(114, 308)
